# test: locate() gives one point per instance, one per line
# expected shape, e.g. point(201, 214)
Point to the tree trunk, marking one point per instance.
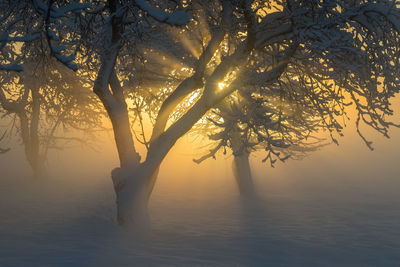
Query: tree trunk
point(130, 185)
point(242, 174)
point(241, 165)
point(35, 159)
point(133, 192)
point(30, 141)
point(123, 138)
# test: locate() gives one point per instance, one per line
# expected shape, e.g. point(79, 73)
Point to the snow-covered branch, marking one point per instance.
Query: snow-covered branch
point(26, 38)
point(59, 12)
point(11, 67)
point(177, 18)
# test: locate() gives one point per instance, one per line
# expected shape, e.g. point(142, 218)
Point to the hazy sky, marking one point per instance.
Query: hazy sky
point(351, 163)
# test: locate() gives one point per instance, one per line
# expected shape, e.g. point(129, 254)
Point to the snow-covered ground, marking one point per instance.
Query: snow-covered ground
point(339, 207)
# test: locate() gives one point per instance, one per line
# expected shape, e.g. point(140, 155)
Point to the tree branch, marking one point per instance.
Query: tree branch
point(177, 18)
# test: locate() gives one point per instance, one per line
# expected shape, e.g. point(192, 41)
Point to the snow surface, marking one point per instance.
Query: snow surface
point(339, 207)
point(58, 224)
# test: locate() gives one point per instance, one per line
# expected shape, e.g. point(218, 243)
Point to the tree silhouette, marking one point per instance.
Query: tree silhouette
point(333, 66)
point(318, 56)
point(43, 103)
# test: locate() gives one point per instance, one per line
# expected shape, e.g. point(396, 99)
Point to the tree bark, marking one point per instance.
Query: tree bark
point(123, 138)
point(129, 162)
point(131, 197)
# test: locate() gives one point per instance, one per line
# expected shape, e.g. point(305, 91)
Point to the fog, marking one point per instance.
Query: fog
point(339, 205)
point(254, 75)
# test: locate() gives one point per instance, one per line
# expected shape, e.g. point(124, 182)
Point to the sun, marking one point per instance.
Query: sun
point(221, 85)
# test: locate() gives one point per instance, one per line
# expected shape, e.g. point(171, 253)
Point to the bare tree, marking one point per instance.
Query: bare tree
point(280, 43)
point(292, 48)
point(317, 84)
point(244, 125)
point(42, 102)
point(47, 97)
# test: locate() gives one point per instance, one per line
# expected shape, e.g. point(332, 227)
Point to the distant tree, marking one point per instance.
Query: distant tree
point(43, 103)
point(312, 53)
point(245, 126)
point(47, 98)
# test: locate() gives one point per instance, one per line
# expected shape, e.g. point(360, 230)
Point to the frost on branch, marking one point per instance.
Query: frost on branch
point(26, 38)
point(12, 67)
point(29, 22)
point(52, 14)
point(354, 44)
point(177, 18)
point(346, 54)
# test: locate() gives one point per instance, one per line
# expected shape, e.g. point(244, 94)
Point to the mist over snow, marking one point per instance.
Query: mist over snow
point(339, 206)
point(170, 133)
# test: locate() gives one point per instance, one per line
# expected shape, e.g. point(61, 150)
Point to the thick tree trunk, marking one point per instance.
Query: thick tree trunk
point(131, 200)
point(134, 185)
point(123, 138)
point(129, 185)
point(133, 192)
